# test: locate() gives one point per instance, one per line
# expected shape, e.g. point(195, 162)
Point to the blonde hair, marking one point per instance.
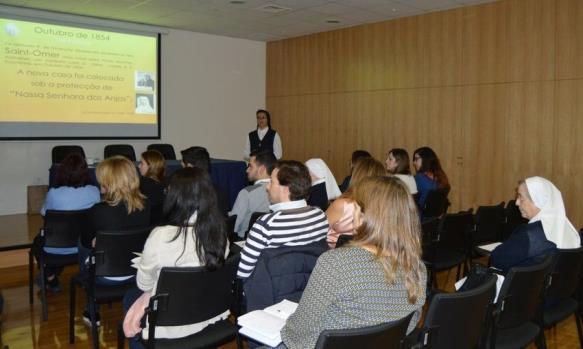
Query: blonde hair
point(156, 165)
point(120, 183)
point(391, 226)
point(366, 167)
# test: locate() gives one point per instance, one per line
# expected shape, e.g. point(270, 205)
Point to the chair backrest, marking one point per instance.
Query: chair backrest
point(565, 275)
point(436, 203)
point(191, 295)
point(59, 152)
point(126, 150)
point(453, 231)
point(513, 219)
point(114, 250)
point(489, 223)
point(344, 239)
point(521, 294)
point(63, 228)
point(254, 217)
point(390, 335)
point(167, 150)
point(450, 312)
point(281, 273)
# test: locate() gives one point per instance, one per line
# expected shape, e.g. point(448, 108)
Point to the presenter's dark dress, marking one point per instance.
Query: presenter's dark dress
point(266, 143)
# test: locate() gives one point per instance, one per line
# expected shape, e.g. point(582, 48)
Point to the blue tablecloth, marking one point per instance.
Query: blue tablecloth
point(229, 175)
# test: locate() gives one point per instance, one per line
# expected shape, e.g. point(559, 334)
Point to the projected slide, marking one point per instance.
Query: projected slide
point(62, 81)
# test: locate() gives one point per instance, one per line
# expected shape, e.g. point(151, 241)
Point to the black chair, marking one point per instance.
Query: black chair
point(190, 295)
point(60, 152)
point(254, 217)
point(489, 223)
point(112, 257)
point(436, 203)
point(513, 219)
point(343, 239)
point(514, 316)
point(389, 336)
point(167, 150)
point(281, 273)
point(318, 196)
point(457, 320)
point(61, 229)
point(449, 246)
point(560, 302)
point(125, 150)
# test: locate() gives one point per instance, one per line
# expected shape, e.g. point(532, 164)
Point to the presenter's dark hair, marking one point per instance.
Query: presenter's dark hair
point(430, 164)
point(266, 114)
point(265, 158)
point(191, 191)
point(296, 176)
point(197, 157)
point(72, 172)
point(402, 158)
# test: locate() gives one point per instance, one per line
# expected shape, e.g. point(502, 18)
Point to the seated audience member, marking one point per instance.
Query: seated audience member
point(341, 213)
point(291, 223)
point(429, 174)
point(357, 155)
point(253, 198)
point(324, 187)
point(199, 157)
point(152, 170)
point(196, 236)
point(398, 165)
point(123, 207)
point(73, 191)
point(548, 227)
point(378, 278)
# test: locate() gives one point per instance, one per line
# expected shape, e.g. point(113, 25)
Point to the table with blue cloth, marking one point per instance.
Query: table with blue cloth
point(229, 175)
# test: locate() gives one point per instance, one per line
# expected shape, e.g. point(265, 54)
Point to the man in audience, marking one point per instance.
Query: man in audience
point(253, 198)
point(199, 157)
point(291, 223)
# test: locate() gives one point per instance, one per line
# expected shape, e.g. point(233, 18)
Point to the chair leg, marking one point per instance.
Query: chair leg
point(579, 329)
point(72, 303)
point(120, 336)
point(239, 342)
point(92, 315)
point(457, 275)
point(43, 293)
point(30, 278)
point(541, 341)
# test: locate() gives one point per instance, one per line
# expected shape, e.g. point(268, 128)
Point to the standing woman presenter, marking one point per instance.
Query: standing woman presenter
point(264, 137)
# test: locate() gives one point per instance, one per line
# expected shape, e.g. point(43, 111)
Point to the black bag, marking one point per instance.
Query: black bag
point(477, 276)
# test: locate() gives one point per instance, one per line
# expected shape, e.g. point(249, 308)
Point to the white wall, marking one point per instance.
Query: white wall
point(211, 87)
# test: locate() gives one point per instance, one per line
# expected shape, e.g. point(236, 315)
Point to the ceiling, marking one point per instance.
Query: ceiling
point(260, 20)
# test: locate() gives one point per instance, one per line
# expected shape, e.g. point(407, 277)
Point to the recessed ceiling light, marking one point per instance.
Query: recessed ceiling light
point(394, 10)
point(332, 21)
point(237, 2)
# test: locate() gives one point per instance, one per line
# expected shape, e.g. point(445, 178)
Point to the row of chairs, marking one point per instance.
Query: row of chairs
point(59, 152)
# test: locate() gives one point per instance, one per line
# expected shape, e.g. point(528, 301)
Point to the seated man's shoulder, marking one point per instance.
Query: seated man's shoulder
point(253, 187)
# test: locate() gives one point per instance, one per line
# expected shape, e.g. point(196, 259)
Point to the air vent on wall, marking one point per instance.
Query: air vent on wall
point(272, 8)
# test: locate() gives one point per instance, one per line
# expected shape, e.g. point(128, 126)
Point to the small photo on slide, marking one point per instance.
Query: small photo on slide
point(145, 104)
point(145, 81)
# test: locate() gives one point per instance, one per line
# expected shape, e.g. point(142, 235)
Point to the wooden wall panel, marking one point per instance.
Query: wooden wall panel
point(495, 89)
point(569, 39)
point(485, 43)
point(531, 36)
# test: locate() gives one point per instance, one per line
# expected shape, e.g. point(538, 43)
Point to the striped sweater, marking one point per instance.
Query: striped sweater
point(296, 226)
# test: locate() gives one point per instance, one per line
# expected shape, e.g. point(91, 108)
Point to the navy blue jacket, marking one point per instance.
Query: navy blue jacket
point(526, 246)
point(281, 273)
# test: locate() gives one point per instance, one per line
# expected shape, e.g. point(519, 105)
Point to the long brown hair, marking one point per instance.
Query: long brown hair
point(119, 182)
point(366, 167)
point(430, 165)
point(156, 165)
point(391, 226)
